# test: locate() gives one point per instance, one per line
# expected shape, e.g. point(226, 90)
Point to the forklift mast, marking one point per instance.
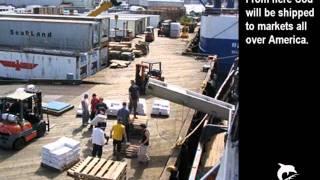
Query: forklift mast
point(38, 104)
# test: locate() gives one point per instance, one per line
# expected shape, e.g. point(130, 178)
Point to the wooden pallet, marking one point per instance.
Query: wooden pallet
point(137, 122)
point(130, 151)
point(136, 130)
point(70, 171)
point(99, 168)
point(63, 169)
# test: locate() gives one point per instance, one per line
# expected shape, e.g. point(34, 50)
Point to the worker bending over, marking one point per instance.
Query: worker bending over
point(143, 156)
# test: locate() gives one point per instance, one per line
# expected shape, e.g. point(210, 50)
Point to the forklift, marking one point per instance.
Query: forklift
point(21, 118)
point(149, 34)
point(146, 70)
point(164, 29)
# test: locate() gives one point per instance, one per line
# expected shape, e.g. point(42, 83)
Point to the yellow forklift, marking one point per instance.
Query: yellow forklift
point(185, 32)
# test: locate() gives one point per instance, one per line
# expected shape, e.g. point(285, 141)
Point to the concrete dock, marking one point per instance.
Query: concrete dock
point(114, 83)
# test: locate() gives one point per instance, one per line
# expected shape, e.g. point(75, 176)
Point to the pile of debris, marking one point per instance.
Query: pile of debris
point(141, 49)
point(193, 45)
point(122, 53)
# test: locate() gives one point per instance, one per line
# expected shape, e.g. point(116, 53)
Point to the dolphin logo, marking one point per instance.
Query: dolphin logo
point(286, 169)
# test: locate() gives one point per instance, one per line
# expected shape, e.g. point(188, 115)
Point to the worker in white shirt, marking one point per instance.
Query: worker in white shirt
point(98, 140)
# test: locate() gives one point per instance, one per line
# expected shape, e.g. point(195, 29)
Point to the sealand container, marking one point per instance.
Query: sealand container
point(49, 34)
point(104, 22)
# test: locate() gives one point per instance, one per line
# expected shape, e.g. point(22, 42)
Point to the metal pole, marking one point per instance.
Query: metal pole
point(213, 170)
point(21, 111)
point(48, 122)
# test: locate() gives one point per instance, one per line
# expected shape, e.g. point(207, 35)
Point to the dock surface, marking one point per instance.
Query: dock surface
point(113, 84)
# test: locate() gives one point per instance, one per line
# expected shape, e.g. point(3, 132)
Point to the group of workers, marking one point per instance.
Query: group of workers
point(120, 131)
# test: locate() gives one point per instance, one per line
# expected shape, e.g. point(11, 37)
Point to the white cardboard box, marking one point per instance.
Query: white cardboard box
point(113, 107)
point(161, 107)
point(98, 118)
point(142, 107)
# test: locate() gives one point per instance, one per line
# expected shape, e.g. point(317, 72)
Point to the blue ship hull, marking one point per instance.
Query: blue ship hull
point(226, 49)
point(219, 36)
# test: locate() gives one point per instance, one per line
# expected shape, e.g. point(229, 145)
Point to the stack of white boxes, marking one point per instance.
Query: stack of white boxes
point(161, 107)
point(142, 107)
point(113, 107)
point(98, 118)
point(61, 153)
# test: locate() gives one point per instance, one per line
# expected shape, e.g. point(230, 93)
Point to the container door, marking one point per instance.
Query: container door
point(103, 58)
point(93, 60)
point(77, 74)
point(95, 34)
point(83, 65)
point(104, 28)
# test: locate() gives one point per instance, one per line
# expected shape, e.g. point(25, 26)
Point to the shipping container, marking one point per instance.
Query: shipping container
point(80, 3)
point(154, 20)
point(151, 19)
point(49, 33)
point(135, 25)
point(20, 65)
point(104, 21)
point(118, 33)
point(20, 3)
point(37, 66)
point(43, 64)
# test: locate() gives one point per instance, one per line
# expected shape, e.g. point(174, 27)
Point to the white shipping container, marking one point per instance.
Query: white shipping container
point(103, 21)
point(136, 25)
point(120, 25)
point(150, 19)
point(154, 20)
point(19, 3)
point(120, 33)
point(23, 65)
point(49, 33)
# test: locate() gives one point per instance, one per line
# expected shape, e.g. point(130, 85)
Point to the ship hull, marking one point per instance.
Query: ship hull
point(219, 35)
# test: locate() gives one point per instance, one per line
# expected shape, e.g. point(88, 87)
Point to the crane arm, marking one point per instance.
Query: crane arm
point(103, 6)
point(190, 99)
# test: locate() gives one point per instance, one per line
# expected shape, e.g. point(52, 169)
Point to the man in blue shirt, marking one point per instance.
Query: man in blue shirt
point(123, 116)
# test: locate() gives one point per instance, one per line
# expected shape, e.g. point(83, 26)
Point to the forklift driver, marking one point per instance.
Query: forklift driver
point(1, 107)
point(15, 108)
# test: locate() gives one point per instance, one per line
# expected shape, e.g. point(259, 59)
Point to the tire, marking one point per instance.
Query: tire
point(41, 130)
point(19, 143)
